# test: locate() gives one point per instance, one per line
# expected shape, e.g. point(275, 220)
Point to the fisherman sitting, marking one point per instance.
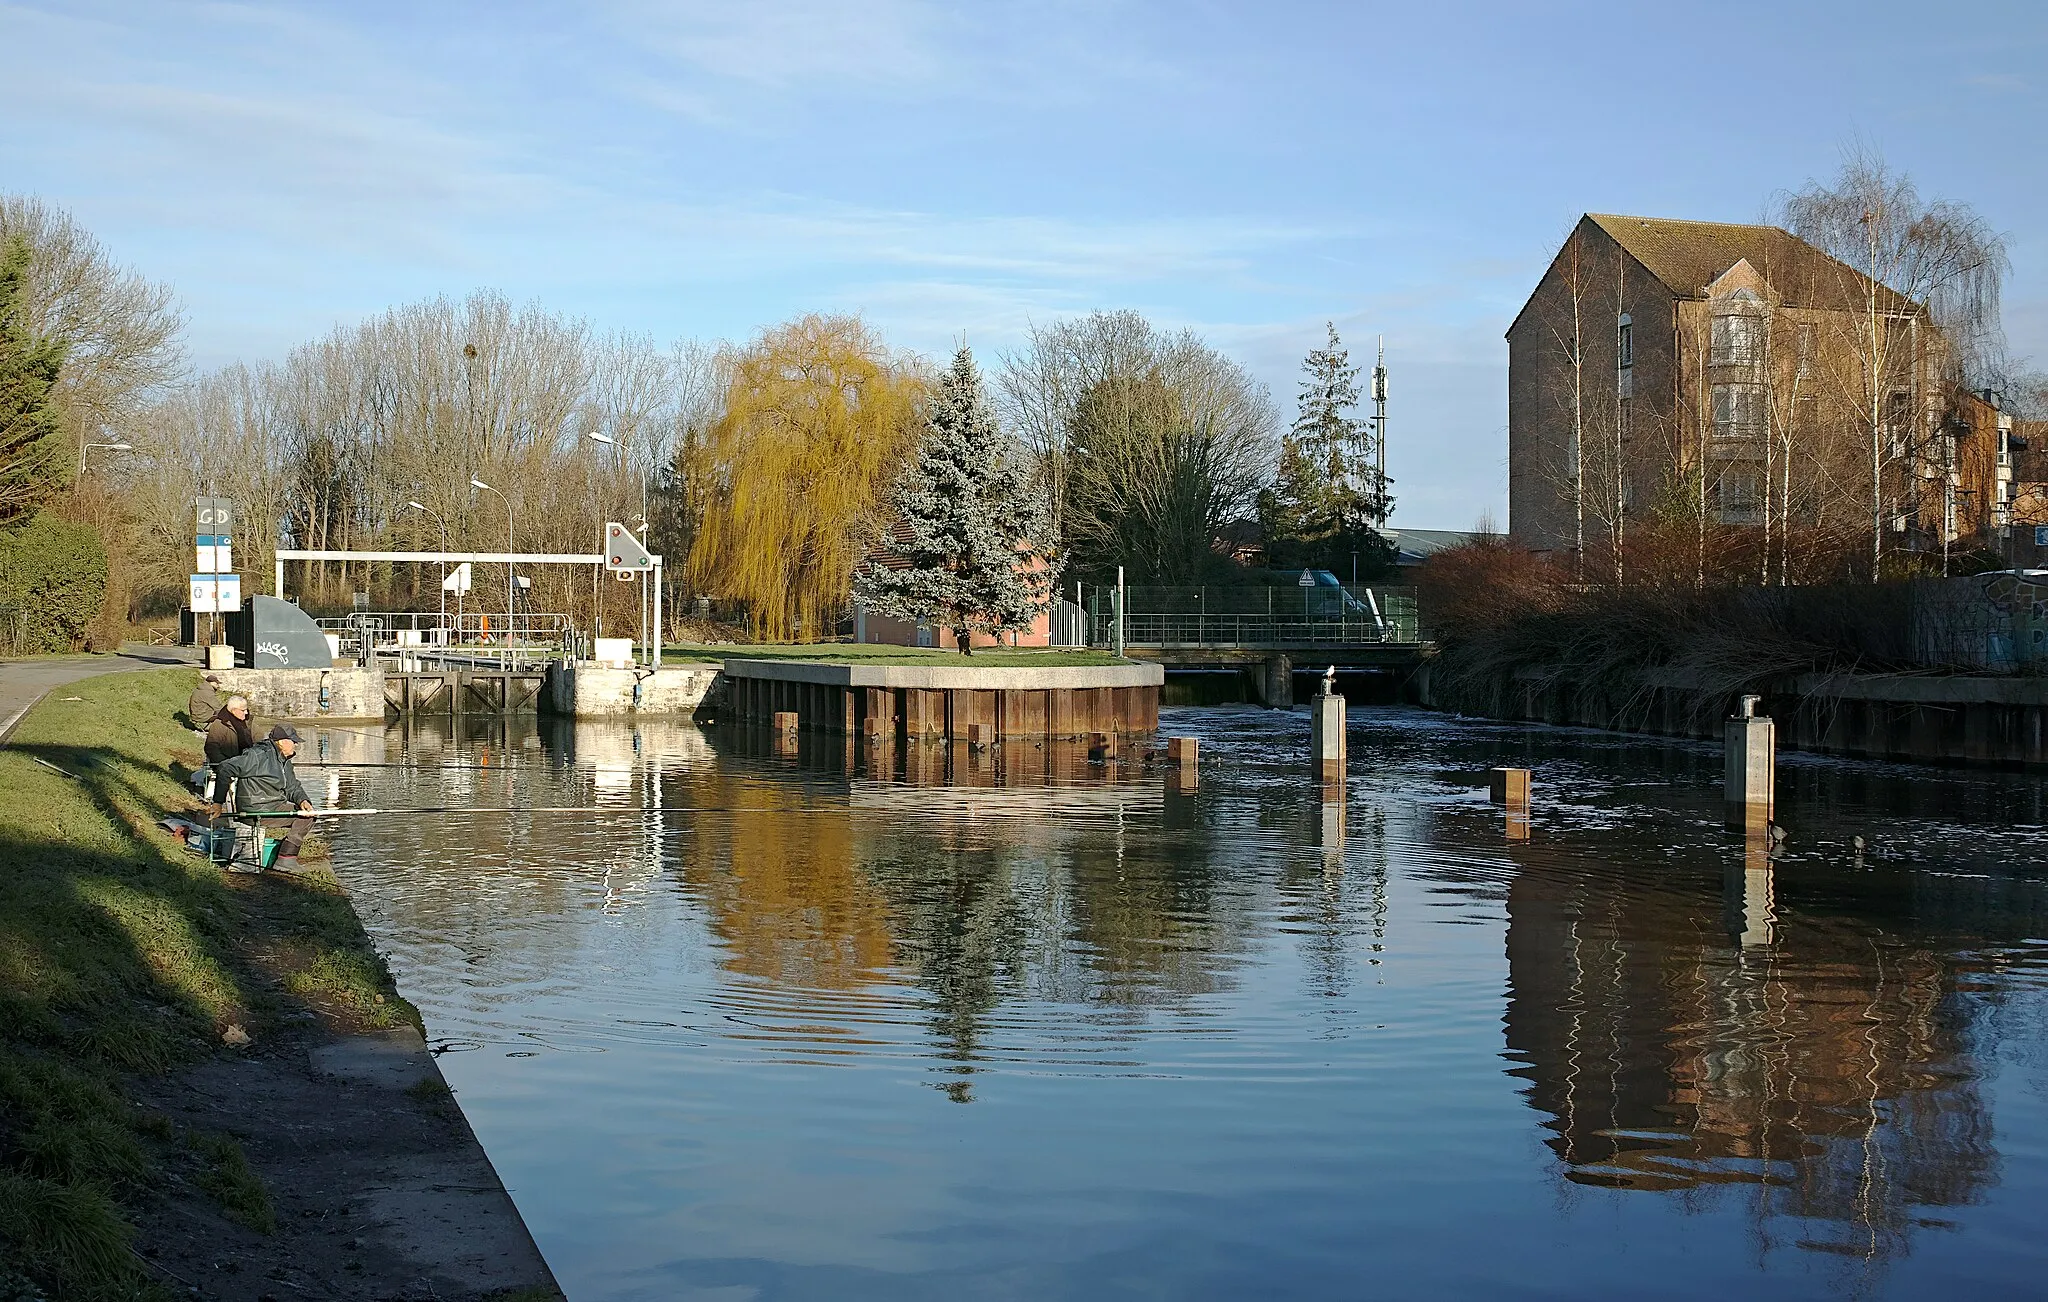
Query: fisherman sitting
point(203, 706)
point(263, 781)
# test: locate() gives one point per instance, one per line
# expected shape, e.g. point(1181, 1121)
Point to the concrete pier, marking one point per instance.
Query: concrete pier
point(920, 702)
point(1326, 738)
point(1509, 787)
point(1750, 767)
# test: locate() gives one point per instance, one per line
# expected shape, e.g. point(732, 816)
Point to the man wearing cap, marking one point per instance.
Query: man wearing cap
point(203, 706)
point(264, 781)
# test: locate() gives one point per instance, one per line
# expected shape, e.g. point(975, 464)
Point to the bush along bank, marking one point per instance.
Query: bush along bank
point(133, 974)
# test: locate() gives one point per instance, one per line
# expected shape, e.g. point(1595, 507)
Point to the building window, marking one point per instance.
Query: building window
point(1625, 357)
point(1738, 413)
point(1738, 497)
point(1737, 339)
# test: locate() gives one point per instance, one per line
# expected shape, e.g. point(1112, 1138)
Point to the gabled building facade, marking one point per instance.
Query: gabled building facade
point(1734, 381)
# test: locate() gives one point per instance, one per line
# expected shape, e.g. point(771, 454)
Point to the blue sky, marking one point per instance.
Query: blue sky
point(1248, 170)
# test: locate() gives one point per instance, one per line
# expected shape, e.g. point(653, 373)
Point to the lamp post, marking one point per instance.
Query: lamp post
point(84, 448)
point(511, 586)
point(444, 565)
point(596, 603)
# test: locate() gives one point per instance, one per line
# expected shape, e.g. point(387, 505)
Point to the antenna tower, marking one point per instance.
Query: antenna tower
point(1379, 419)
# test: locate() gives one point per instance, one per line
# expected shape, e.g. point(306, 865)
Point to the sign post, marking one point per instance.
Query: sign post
point(215, 585)
point(625, 556)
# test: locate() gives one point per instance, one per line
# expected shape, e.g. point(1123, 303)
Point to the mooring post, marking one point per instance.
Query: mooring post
point(1184, 776)
point(785, 724)
point(1509, 787)
point(1326, 735)
point(1101, 747)
point(1750, 767)
point(981, 736)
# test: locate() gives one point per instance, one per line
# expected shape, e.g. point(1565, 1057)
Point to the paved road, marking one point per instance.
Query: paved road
point(24, 682)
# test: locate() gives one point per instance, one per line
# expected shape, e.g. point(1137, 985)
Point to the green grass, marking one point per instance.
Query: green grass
point(876, 654)
point(227, 1176)
point(123, 954)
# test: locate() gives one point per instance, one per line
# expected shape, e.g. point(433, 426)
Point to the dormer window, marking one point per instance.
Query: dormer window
point(1737, 331)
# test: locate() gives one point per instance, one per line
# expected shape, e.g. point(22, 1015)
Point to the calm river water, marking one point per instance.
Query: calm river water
point(1034, 1029)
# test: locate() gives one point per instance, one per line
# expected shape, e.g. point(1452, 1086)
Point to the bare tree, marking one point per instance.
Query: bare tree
point(121, 333)
point(1930, 276)
point(1147, 442)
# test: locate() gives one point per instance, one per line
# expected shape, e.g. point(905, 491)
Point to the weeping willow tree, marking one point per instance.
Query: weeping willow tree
point(817, 421)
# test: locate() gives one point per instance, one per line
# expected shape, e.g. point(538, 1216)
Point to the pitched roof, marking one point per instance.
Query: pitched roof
point(1688, 256)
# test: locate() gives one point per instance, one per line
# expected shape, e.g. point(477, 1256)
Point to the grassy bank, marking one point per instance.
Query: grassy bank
point(122, 956)
point(876, 654)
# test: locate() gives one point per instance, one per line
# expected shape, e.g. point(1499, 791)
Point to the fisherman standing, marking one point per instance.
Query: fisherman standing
point(263, 781)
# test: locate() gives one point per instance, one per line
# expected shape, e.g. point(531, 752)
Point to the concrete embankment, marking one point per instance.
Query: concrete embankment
point(209, 1085)
point(1938, 719)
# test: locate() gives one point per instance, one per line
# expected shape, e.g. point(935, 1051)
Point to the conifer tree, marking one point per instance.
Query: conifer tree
point(35, 456)
point(1329, 497)
point(972, 525)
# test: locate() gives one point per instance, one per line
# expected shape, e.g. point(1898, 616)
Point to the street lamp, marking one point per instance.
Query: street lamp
point(511, 587)
point(84, 448)
point(596, 602)
point(444, 565)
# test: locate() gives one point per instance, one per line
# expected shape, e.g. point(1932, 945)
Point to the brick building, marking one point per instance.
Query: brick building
point(1719, 375)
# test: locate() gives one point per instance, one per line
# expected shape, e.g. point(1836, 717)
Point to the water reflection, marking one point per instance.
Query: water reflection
point(1182, 1009)
point(1827, 1067)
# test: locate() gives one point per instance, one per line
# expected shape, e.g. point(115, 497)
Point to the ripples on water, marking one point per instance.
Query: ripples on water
point(1027, 1027)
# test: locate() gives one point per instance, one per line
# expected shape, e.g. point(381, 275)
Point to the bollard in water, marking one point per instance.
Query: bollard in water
point(981, 736)
point(784, 725)
point(874, 728)
point(1508, 787)
point(1101, 747)
point(1183, 752)
point(1518, 823)
point(1750, 768)
point(1326, 736)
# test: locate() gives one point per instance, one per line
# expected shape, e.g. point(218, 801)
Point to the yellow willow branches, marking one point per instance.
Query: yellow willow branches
point(817, 423)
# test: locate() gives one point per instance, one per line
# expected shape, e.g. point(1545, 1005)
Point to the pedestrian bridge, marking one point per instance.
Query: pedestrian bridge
point(1275, 631)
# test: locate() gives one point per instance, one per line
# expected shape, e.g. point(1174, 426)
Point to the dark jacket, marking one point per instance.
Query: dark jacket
point(263, 778)
point(227, 738)
point(203, 706)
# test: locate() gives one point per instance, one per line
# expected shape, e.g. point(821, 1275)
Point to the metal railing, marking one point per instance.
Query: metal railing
point(468, 638)
point(1255, 616)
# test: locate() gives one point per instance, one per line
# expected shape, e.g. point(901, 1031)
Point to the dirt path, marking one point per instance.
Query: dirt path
point(381, 1190)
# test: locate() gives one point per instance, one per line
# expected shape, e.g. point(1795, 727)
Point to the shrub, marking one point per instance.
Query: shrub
point(53, 578)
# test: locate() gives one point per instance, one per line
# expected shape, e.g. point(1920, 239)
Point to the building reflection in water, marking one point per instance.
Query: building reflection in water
point(1818, 1066)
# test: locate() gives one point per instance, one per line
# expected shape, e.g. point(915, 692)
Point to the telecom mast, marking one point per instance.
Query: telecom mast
point(1379, 421)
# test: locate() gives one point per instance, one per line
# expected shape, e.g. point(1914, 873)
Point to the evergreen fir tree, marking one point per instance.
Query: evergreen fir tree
point(973, 524)
point(1329, 497)
point(35, 454)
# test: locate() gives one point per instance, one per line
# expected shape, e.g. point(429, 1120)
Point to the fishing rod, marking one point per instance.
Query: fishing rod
point(483, 809)
point(367, 764)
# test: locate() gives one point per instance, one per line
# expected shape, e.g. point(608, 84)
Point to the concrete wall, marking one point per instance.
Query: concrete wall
point(295, 693)
point(587, 691)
